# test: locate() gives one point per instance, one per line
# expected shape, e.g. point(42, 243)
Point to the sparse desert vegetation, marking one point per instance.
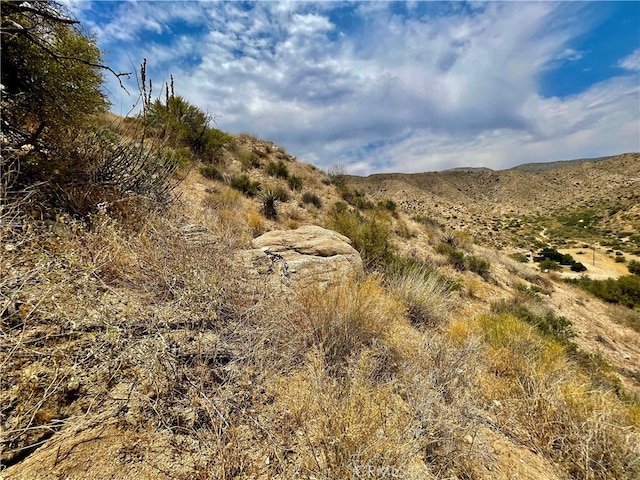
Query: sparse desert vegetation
point(134, 337)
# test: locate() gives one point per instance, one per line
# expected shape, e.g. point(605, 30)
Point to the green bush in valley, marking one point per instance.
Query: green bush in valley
point(634, 267)
point(550, 265)
point(625, 290)
point(578, 267)
point(551, 259)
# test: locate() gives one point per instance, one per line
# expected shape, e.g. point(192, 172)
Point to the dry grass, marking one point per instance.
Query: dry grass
point(88, 310)
point(345, 428)
point(346, 318)
point(425, 293)
point(150, 324)
point(539, 397)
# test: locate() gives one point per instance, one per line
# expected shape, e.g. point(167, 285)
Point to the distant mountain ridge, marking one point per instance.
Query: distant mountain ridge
point(472, 198)
point(546, 166)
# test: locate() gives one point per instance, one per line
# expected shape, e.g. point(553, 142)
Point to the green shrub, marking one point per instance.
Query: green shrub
point(427, 221)
point(554, 255)
point(388, 205)
point(477, 265)
point(51, 78)
point(248, 158)
point(340, 207)
point(363, 204)
point(625, 290)
point(295, 183)
point(550, 265)
point(281, 194)
point(462, 262)
point(356, 198)
point(558, 328)
point(278, 170)
point(245, 185)
point(369, 235)
point(578, 267)
point(456, 257)
point(519, 257)
point(337, 176)
point(634, 267)
point(312, 198)
point(179, 121)
point(527, 292)
point(620, 260)
point(211, 172)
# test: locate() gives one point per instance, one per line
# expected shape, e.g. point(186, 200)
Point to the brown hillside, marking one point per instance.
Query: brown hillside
point(139, 345)
point(474, 199)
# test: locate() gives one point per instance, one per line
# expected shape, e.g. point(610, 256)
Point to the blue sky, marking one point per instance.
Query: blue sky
point(393, 86)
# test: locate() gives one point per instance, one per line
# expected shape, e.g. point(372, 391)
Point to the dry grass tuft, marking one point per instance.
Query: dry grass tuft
point(346, 318)
point(426, 294)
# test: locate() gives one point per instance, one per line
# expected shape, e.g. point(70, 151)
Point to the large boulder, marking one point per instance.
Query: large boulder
point(309, 255)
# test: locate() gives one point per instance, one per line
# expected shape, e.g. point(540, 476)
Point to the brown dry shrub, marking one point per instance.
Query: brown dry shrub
point(344, 319)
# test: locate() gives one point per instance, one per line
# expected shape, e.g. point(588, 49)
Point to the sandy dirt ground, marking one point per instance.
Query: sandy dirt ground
point(604, 266)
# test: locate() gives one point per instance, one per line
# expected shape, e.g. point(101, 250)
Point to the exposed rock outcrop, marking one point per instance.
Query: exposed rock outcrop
point(302, 257)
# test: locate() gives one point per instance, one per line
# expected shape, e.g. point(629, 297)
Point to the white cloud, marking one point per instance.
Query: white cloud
point(632, 61)
point(594, 123)
point(570, 55)
point(384, 91)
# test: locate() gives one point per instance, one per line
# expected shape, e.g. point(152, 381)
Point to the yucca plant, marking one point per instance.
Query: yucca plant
point(269, 199)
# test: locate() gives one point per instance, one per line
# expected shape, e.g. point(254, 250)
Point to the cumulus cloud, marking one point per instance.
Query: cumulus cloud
point(380, 86)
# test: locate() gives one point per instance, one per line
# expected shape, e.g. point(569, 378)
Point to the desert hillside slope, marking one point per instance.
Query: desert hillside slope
point(137, 345)
point(177, 302)
point(476, 200)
